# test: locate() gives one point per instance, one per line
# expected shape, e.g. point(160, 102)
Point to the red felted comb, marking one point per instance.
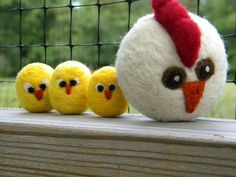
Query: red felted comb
point(182, 29)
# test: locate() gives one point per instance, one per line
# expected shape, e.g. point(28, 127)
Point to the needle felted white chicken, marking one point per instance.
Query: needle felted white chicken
point(172, 64)
point(68, 87)
point(32, 87)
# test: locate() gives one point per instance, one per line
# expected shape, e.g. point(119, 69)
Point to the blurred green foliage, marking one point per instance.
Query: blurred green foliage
point(113, 25)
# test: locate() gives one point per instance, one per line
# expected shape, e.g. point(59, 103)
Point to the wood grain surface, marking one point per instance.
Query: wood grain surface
point(86, 145)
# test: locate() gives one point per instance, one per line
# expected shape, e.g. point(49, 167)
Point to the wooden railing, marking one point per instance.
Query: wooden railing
point(57, 145)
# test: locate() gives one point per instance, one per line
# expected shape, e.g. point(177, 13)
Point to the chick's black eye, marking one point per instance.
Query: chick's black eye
point(112, 87)
point(31, 90)
point(173, 77)
point(62, 83)
point(73, 82)
point(100, 87)
point(205, 69)
point(43, 86)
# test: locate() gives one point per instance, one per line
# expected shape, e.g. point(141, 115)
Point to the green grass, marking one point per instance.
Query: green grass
point(225, 108)
point(8, 95)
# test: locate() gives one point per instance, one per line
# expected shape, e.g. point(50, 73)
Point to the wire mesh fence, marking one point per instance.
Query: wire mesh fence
point(51, 31)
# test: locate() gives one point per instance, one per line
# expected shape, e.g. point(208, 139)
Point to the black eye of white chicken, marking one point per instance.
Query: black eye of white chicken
point(174, 77)
point(205, 69)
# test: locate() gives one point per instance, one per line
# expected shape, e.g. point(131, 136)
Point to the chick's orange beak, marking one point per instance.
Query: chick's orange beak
point(68, 89)
point(38, 94)
point(108, 94)
point(193, 92)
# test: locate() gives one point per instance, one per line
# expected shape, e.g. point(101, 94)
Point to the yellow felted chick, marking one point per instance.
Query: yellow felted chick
point(105, 97)
point(68, 87)
point(32, 87)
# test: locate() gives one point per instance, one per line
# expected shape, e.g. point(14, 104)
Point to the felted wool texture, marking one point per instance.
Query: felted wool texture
point(184, 32)
point(76, 101)
point(98, 102)
point(147, 51)
point(32, 75)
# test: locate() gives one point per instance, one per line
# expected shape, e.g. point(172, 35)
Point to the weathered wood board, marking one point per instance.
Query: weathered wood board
point(135, 146)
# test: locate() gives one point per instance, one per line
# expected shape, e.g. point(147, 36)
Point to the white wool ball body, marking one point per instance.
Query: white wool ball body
point(147, 51)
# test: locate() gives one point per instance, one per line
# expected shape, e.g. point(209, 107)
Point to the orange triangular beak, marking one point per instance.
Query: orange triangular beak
point(193, 92)
point(68, 89)
point(38, 94)
point(108, 94)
